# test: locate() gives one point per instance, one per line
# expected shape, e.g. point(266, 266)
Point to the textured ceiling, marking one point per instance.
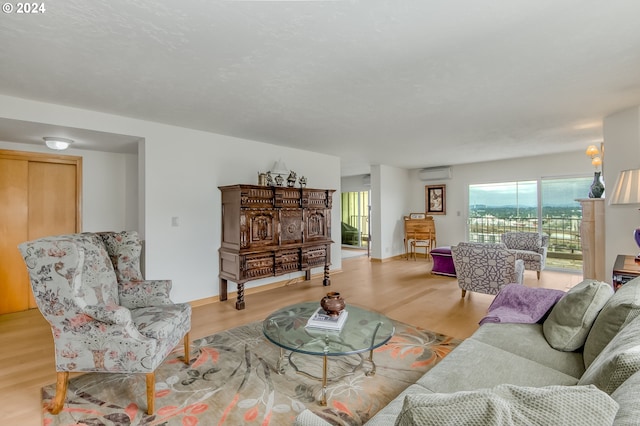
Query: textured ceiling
point(404, 83)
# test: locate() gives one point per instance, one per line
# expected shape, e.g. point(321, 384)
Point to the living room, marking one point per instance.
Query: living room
point(164, 184)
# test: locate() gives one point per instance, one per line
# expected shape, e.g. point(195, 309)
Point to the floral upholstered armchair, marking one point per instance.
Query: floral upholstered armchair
point(103, 319)
point(531, 247)
point(486, 268)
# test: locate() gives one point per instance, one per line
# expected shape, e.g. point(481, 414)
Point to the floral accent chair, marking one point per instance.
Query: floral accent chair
point(531, 247)
point(486, 268)
point(98, 323)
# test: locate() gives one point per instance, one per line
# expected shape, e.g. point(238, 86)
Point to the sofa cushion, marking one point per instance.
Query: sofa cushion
point(528, 256)
point(618, 361)
point(627, 396)
point(570, 320)
point(530, 344)
point(389, 414)
point(511, 405)
point(475, 365)
point(619, 310)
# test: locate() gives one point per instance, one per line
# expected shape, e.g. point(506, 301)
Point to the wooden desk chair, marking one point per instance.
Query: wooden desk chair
point(428, 243)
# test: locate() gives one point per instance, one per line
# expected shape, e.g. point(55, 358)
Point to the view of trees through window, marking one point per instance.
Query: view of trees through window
point(547, 205)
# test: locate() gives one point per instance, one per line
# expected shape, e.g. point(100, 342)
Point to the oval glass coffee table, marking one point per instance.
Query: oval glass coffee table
point(363, 331)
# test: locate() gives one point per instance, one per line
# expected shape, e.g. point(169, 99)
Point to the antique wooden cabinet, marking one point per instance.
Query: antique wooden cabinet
point(273, 230)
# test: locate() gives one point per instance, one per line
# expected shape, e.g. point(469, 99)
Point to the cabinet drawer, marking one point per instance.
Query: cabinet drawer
point(261, 197)
point(288, 261)
point(286, 197)
point(314, 256)
point(257, 265)
point(317, 198)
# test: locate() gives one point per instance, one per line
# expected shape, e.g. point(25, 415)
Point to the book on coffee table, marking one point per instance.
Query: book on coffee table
point(320, 319)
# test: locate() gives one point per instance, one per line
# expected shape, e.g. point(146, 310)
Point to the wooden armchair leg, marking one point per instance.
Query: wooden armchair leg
point(187, 349)
point(464, 292)
point(151, 387)
point(56, 404)
point(538, 272)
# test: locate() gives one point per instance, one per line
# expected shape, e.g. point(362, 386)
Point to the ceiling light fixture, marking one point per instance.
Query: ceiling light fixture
point(59, 144)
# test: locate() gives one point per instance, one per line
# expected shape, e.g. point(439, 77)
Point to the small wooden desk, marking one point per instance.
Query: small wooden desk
point(624, 270)
point(419, 230)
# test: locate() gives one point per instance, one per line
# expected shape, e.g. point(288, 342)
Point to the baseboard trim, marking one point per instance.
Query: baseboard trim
point(388, 259)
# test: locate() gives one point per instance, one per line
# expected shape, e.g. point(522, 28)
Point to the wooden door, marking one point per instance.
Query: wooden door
point(13, 230)
point(39, 196)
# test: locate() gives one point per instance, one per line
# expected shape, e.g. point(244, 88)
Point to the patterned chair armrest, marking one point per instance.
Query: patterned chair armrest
point(545, 240)
point(140, 294)
point(518, 272)
point(110, 314)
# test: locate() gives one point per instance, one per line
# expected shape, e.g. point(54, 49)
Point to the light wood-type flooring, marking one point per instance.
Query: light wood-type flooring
point(401, 289)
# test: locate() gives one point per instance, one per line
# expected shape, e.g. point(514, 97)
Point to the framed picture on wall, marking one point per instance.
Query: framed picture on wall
point(436, 197)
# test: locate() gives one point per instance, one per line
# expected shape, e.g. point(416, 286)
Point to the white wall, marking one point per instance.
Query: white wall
point(452, 227)
point(108, 180)
point(355, 183)
point(622, 151)
point(181, 170)
point(389, 203)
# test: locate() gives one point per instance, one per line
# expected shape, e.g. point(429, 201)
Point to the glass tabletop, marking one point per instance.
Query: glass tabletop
point(364, 330)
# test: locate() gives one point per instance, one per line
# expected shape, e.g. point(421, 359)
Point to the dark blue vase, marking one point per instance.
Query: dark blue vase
point(597, 187)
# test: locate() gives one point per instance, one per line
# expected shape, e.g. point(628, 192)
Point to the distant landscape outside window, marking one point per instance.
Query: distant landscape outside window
point(513, 206)
point(355, 218)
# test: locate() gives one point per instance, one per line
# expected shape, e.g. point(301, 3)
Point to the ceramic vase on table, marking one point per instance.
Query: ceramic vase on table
point(332, 303)
point(597, 186)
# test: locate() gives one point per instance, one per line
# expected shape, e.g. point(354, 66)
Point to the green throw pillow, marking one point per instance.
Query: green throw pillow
point(568, 324)
point(627, 396)
point(619, 310)
point(618, 361)
point(510, 405)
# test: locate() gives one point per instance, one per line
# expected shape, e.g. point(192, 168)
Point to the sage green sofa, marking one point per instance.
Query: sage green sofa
point(580, 367)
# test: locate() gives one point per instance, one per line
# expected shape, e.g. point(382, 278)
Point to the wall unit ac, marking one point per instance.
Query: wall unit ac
point(435, 173)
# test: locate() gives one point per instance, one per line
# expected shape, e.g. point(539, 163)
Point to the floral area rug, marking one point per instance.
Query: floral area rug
point(232, 380)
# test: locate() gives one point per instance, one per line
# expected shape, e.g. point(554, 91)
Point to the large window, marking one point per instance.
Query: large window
point(546, 206)
point(497, 207)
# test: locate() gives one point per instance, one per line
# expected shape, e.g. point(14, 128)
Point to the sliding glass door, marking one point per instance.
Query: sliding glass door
point(546, 205)
point(355, 218)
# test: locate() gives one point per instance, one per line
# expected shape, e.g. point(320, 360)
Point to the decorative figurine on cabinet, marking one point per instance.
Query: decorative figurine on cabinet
point(279, 180)
point(291, 180)
point(303, 182)
point(269, 179)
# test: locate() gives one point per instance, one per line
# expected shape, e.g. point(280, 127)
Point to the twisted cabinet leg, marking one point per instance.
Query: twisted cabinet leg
point(62, 380)
point(326, 280)
point(240, 300)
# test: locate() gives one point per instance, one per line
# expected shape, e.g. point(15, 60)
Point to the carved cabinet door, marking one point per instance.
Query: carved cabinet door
point(317, 224)
point(258, 228)
point(290, 226)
